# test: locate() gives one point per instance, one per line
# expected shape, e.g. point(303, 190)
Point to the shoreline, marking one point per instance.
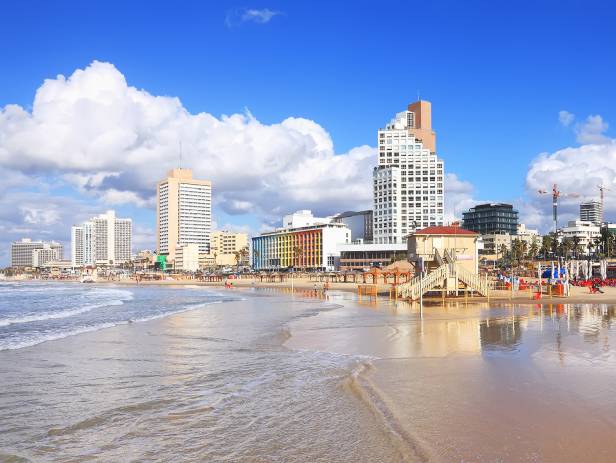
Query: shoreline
point(392, 384)
point(579, 295)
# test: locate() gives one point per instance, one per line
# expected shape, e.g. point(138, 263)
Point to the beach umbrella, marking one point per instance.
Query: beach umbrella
point(567, 281)
point(603, 269)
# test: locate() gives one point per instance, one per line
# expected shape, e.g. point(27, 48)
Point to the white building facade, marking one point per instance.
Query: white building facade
point(23, 252)
point(45, 254)
point(102, 240)
point(303, 218)
point(408, 181)
point(583, 232)
point(187, 257)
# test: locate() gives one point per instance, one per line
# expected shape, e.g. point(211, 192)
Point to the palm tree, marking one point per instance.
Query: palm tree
point(533, 250)
point(566, 246)
point(518, 249)
point(244, 253)
point(238, 256)
point(576, 245)
point(503, 250)
point(590, 247)
point(546, 245)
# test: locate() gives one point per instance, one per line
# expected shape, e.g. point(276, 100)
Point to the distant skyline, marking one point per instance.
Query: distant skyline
point(278, 104)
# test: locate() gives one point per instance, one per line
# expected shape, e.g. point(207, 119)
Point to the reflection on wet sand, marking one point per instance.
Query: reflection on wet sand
point(473, 382)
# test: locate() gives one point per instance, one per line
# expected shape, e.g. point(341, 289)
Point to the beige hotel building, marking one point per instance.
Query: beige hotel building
point(224, 246)
point(183, 213)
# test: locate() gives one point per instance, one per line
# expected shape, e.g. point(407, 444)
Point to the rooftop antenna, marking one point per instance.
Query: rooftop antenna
point(418, 96)
point(180, 154)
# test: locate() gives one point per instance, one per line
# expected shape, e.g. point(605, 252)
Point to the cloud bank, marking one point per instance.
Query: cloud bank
point(110, 142)
point(114, 141)
point(576, 170)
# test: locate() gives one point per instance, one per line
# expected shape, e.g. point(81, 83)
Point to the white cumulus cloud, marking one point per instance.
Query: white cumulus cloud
point(114, 141)
point(592, 130)
point(577, 171)
point(458, 197)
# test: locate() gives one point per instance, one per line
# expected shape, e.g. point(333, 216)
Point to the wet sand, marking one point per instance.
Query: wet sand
point(485, 383)
point(578, 295)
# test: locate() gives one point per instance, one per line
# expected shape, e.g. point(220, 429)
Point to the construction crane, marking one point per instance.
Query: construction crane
point(602, 189)
point(555, 195)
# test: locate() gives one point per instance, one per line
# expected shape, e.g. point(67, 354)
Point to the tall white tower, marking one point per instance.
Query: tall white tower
point(183, 212)
point(409, 178)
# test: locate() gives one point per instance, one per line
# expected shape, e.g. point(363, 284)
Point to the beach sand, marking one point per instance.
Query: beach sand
point(484, 382)
point(578, 295)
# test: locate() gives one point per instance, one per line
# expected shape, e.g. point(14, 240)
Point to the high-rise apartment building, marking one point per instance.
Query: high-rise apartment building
point(23, 252)
point(104, 240)
point(183, 212)
point(590, 211)
point(409, 178)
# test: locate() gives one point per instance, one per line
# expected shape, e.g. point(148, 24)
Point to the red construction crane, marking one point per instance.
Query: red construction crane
point(555, 195)
point(601, 195)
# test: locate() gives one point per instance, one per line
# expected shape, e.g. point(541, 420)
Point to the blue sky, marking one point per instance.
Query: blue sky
point(497, 73)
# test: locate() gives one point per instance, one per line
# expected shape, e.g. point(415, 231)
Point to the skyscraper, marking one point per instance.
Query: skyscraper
point(409, 178)
point(591, 212)
point(183, 212)
point(104, 239)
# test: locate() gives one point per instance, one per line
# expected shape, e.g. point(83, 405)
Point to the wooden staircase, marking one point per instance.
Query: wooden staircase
point(421, 285)
point(448, 267)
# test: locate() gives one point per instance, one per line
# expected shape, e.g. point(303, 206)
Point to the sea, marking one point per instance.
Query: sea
point(106, 373)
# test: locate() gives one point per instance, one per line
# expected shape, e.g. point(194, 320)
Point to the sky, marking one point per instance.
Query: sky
point(278, 103)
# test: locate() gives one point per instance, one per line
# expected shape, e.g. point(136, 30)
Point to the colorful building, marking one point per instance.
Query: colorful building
point(312, 247)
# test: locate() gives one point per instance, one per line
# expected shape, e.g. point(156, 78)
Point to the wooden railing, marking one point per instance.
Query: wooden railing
point(472, 280)
point(420, 285)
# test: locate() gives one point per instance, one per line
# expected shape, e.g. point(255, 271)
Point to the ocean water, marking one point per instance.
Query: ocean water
point(35, 312)
point(103, 373)
point(113, 373)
